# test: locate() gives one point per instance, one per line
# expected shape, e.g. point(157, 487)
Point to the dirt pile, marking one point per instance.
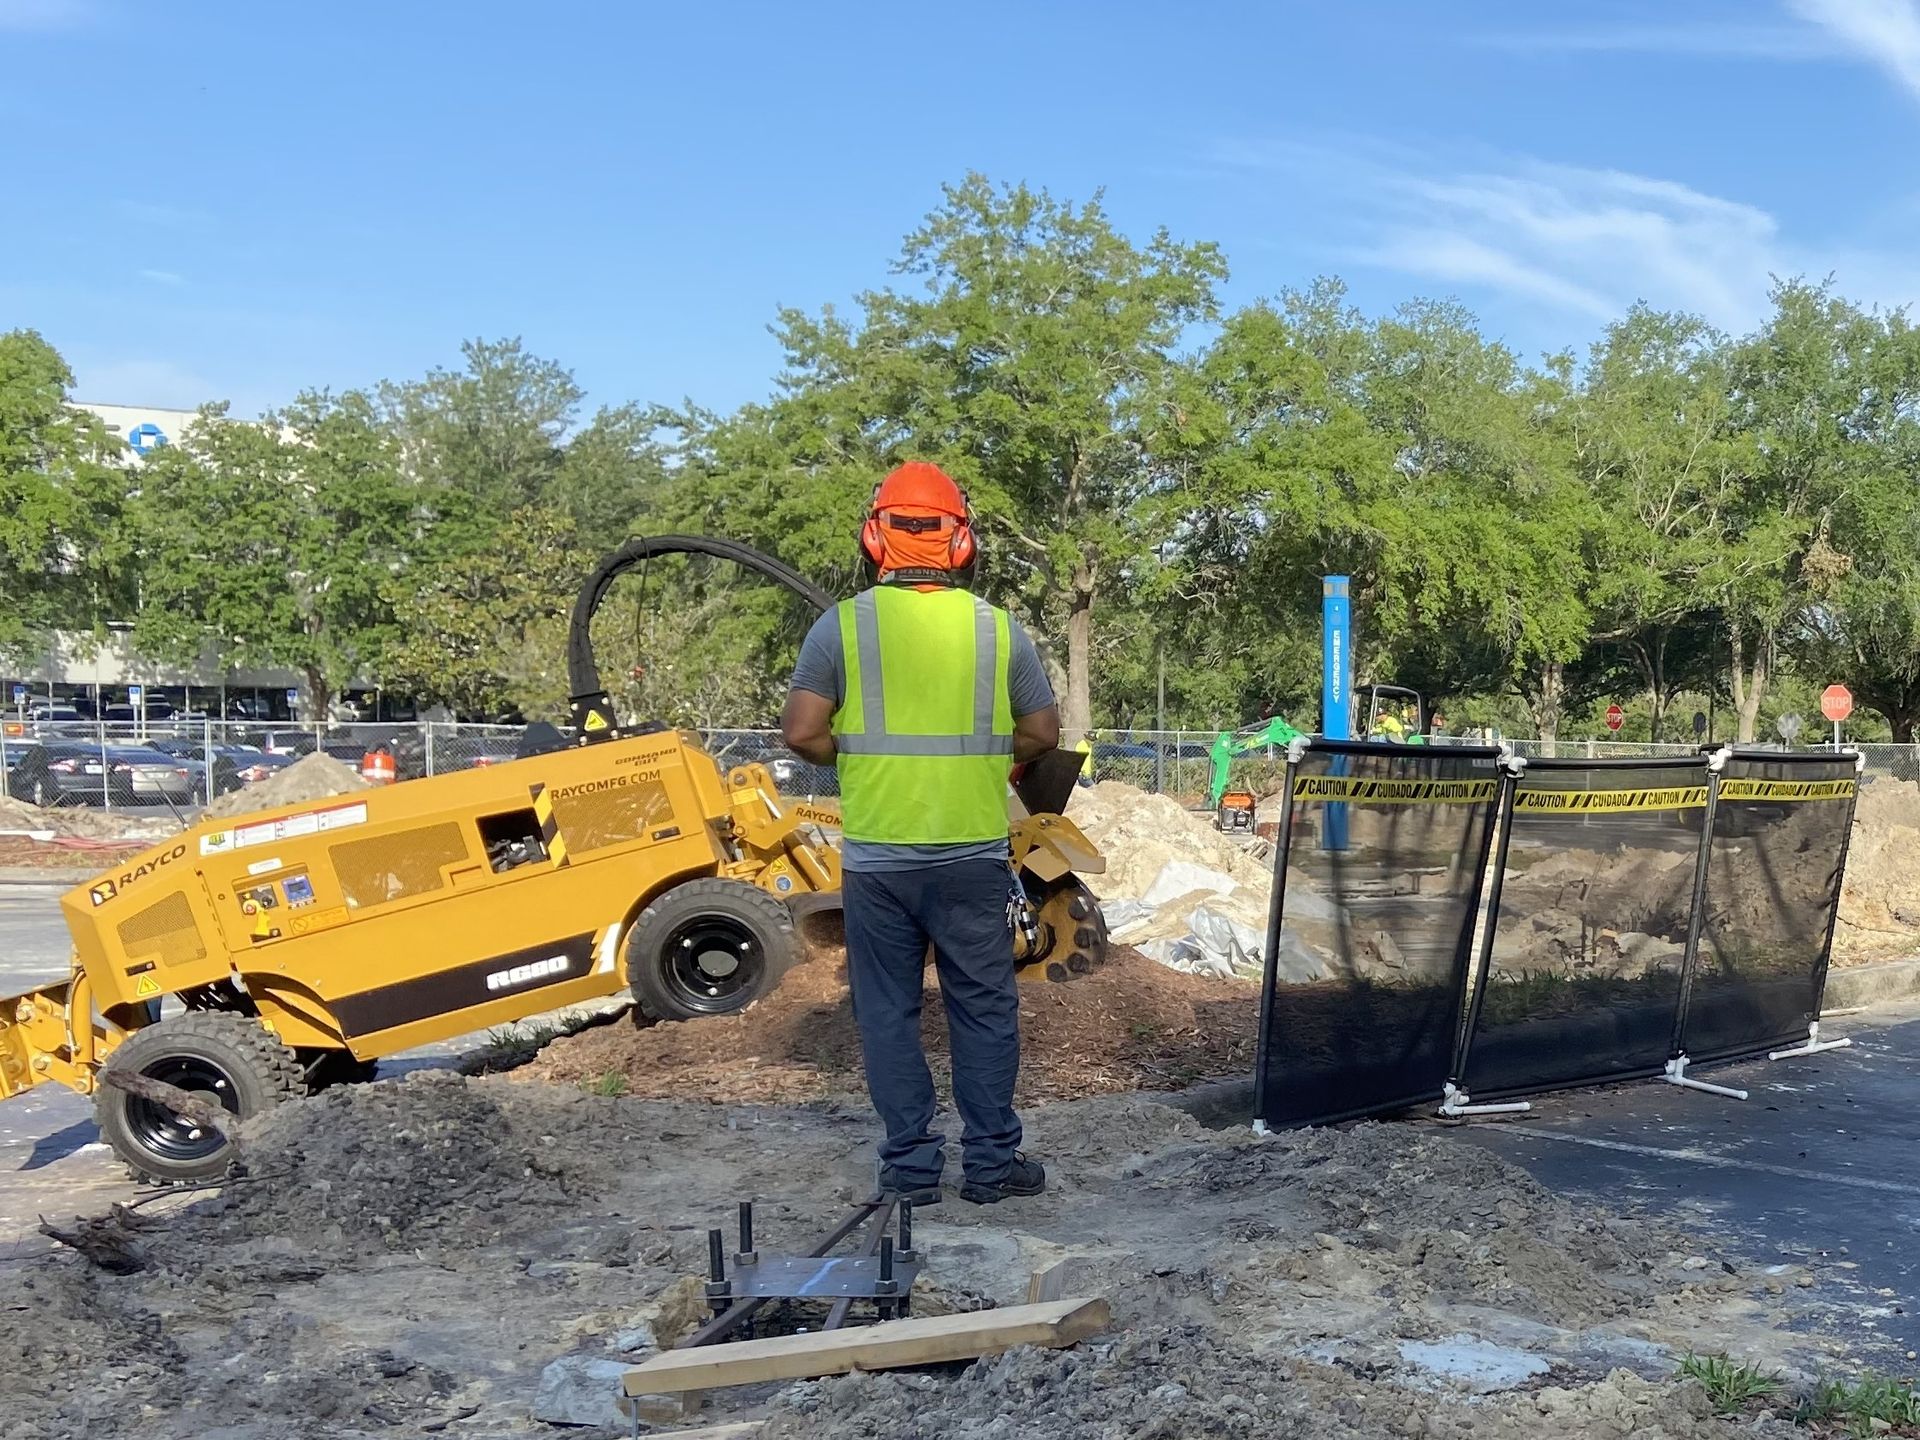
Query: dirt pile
point(1140, 832)
point(1178, 1381)
point(86, 822)
point(1880, 898)
point(425, 1160)
point(1175, 887)
point(1616, 912)
point(311, 777)
point(1130, 1025)
point(1429, 1218)
point(64, 854)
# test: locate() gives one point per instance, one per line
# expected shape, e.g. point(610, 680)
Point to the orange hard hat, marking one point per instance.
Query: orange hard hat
point(921, 485)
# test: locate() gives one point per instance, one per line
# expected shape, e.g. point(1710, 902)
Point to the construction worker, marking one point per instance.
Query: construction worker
point(1083, 747)
point(924, 697)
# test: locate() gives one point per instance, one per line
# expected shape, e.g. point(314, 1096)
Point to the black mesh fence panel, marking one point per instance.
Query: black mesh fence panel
point(1583, 978)
point(1366, 972)
point(1773, 881)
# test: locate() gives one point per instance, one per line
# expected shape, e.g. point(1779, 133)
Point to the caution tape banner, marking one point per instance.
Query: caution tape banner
point(1393, 792)
point(1787, 789)
point(1670, 797)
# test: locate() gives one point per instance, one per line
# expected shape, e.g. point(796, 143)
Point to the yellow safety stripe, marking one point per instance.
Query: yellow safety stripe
point(1672, 797)
point(1787, 789)
point(1392, 792)
point(549, 827)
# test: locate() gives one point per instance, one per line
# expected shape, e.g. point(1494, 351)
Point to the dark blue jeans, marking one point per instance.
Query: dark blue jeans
point(961, 911)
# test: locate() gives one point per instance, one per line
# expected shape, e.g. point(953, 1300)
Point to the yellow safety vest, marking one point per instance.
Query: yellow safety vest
point(924, 737)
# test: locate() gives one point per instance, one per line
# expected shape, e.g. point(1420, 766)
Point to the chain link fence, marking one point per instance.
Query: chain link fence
point(185, 762)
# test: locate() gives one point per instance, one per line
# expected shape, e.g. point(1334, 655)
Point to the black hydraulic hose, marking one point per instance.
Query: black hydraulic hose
point(591, 710)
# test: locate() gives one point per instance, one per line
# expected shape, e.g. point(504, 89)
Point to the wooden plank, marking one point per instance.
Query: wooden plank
point(1058, 1280)
point(934, 1340)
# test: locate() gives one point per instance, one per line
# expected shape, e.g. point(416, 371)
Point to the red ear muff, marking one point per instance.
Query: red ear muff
point(872, 544)
point(961, 551)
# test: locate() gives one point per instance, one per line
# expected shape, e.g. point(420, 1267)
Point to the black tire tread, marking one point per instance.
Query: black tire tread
point(274, 1065)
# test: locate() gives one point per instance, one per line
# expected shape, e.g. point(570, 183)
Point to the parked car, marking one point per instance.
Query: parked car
point(15, 750)
point(797, 777)
point(71, 772)
point(46, 719)
point(233, 765)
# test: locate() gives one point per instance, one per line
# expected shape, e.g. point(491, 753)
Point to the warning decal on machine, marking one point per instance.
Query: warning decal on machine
point(289, 827)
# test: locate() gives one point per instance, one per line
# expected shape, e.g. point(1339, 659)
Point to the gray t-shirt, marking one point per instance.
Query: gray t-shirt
point(822, 670)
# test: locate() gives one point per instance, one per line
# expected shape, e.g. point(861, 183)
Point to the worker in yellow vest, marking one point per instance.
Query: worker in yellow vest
point(1083, 747)
point(924, 697)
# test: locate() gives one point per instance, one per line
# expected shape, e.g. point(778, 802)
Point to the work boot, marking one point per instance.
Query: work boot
point(915, 1195)
point(1023, 1177)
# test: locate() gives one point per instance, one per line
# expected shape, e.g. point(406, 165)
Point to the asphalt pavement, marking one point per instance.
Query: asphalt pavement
point(1819, 1167)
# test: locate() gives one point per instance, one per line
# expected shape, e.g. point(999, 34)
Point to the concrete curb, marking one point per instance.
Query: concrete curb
point(1873, 984)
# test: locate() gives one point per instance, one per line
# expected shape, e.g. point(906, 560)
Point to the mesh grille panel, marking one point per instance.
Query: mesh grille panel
point(596, 819)
point(392, 867)
point(164, 932)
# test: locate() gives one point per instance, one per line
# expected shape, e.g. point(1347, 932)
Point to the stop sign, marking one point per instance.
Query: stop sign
point(1836, 703)
point(1616, 717)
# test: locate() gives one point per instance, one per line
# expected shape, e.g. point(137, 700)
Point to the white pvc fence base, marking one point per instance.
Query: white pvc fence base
point(1813, 1046)
point(1677, 1075)
point(1456, 1103)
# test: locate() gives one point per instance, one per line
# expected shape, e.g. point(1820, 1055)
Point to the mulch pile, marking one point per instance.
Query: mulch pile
point(1131, 1025)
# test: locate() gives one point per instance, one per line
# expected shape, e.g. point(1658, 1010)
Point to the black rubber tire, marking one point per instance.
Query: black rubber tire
point(671, 940)
point(232, 1056)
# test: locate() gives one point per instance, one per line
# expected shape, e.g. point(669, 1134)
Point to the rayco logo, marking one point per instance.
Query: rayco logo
point(103, 892)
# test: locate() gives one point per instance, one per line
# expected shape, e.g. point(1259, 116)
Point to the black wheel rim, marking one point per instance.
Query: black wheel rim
point(713, 964)
point(172, 1137)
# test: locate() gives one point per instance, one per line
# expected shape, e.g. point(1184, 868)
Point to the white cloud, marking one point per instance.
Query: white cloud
point(159, 383)
point(1561, 240)
point(46, 14)
point(1885, 32)
point(163, 277)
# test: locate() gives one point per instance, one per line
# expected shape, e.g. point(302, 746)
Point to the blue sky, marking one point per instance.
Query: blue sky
point(235, 201)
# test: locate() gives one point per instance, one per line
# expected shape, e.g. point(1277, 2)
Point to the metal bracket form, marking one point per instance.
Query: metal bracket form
point(1297, 748)
point(1457, 1103)
point(1260, 1129)
point(1677, 1075)
point(883, 1270)
point(1813, 1046)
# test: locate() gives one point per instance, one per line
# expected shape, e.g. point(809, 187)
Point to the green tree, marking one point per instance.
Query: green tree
point(1801, 387)
point(1656, 439)
point(482, 441)
point(485, 634)
point(1862, 569)
point(63, 484)
point(612, 477)
point(1027, 353)
point(274, 543)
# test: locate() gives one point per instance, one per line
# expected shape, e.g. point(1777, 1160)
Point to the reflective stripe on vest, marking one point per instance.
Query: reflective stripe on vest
point(924, 734)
